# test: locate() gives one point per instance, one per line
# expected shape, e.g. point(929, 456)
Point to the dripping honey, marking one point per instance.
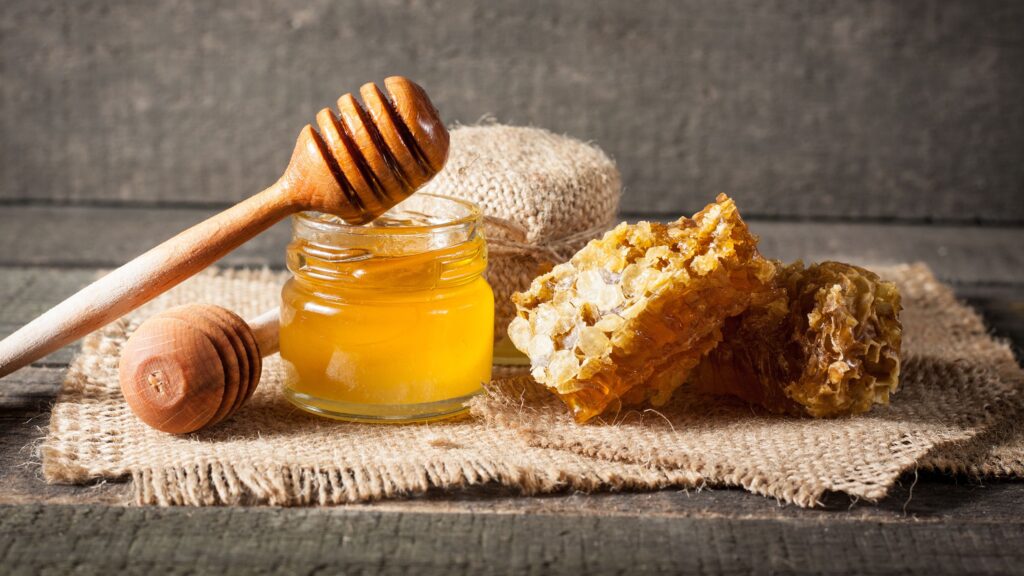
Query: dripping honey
point(391, 321)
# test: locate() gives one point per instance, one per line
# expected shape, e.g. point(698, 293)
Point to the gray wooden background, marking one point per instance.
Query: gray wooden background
point(904, 110)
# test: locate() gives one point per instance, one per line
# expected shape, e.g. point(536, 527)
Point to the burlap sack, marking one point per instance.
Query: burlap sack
point(543, 196)
point(958, 397)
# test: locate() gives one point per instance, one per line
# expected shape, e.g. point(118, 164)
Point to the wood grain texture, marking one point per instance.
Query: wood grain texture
point(27, 293)
point(261, 541)
point(106, 237)
point(178, 393)
point(860, 109)
point(193, 366)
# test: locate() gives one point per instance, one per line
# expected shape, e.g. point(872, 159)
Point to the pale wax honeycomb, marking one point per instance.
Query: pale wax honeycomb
point(824, 341)
point(627, 318)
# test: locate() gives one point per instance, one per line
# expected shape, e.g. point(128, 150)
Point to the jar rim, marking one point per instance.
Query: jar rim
point(330, 223)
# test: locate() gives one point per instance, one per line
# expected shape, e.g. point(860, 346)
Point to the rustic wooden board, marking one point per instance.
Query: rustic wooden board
point(27, 293)
point(262, 541)
point(108, 237)
point(868, 108)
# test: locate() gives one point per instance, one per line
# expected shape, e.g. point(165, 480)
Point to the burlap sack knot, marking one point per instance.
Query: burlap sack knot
point(547, 253)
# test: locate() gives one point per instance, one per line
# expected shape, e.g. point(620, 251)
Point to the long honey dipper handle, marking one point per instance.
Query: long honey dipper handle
point(363, 161)
point(142, 279)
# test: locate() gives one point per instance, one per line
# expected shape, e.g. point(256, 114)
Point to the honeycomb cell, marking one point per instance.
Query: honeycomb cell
point(627, 318)
point(823, 341)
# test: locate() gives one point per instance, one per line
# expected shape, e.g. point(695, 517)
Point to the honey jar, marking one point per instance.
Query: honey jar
point(391, 321)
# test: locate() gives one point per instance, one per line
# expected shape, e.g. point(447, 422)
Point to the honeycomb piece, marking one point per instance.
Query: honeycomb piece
point(626, 319)
point(824, 341)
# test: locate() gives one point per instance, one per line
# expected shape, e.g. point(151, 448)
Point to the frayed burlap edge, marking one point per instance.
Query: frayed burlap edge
point(216, 483)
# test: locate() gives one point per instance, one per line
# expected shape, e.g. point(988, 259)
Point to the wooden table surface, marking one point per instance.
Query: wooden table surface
point(930, 524)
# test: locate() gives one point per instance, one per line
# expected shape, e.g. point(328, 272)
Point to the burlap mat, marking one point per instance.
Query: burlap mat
point(957, 385)
point(958, 391)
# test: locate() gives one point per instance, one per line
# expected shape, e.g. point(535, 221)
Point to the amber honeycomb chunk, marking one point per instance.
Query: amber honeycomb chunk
point(825, 341)
point(627, 318)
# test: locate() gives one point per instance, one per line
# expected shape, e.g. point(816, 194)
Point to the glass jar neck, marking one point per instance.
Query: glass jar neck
point(426, 243)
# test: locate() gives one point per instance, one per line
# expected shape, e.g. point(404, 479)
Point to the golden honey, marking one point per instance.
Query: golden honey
point(390, 321)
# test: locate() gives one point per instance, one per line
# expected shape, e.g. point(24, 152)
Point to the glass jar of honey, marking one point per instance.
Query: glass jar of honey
point(391, 321)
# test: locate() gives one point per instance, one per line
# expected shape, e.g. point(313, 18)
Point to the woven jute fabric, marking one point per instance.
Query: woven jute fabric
point(958, 386)
point(954, 412)
point(543, 195)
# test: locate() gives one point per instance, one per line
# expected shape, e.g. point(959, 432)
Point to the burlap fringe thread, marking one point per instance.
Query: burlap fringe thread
point(271, 453)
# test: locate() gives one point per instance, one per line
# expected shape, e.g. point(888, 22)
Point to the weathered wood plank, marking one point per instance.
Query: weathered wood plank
point(107, 237)
point(27, 293)
point(1003, 311)
point(869, 108)
point(961, 255)
point(262, 541)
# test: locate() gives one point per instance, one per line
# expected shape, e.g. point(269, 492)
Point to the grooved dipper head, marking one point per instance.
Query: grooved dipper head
point(367, 157)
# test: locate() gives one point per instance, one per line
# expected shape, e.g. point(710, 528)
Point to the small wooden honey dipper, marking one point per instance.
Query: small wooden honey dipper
point(193, 366)
point(358, 166)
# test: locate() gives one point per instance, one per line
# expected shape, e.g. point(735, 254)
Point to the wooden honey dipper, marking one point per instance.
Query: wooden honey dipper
point(193, 366)
point(358, 166)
